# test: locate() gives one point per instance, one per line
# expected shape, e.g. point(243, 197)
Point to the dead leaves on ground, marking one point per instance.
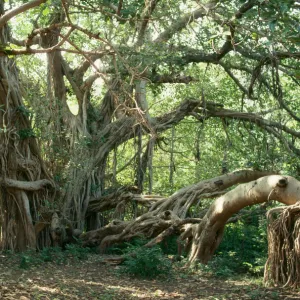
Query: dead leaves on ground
point(93, 279)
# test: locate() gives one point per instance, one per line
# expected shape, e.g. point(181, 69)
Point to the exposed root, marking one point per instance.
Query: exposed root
point(147, 226)
point(283, 264)
point(166, 216)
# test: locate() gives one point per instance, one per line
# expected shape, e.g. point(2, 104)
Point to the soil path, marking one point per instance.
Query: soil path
point(95, 279)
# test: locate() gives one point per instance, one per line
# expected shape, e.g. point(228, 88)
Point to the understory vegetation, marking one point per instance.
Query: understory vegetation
point(242, 252)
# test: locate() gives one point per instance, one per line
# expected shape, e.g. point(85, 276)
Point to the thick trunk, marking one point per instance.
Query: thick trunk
point(22, 171)
point(181, 201)
point(204, 234)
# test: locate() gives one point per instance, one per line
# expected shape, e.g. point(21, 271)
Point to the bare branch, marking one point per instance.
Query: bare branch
point(237, 82)
point(171, 79)
point(119, 7)
point(29, 51)
point(66, 10)
point(253, 118)
point(16, 11)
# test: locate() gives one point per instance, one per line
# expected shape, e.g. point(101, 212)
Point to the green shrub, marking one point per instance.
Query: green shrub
point(146, 262)
point(77, 251)
point(26, 261)
point(221, 265)
point(169, 245)
point(124, 247)
point(53, 254)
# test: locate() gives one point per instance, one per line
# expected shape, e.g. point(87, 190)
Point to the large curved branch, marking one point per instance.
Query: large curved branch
point(208, 234)
point(164, 215)
point(210, 109)
point(194, 56)
point(253, 118)
point(183, 199)
point(125, 128)
point(16, 11)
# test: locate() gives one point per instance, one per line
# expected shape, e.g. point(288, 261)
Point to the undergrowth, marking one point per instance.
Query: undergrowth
point(242, 251)
point(55, 255)
point(147, 263)
point(143, 262)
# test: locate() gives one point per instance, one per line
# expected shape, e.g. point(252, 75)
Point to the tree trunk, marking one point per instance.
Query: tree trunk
point(21, 164)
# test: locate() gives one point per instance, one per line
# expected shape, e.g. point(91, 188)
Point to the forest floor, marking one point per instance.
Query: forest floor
point(95, 279)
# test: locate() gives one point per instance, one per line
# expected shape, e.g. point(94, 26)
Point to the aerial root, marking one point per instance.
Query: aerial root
point(283, 264)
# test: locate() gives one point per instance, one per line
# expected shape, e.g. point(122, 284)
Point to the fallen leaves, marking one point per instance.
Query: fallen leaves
point(93, 279)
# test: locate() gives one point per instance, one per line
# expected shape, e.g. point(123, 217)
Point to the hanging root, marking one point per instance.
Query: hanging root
point(283, 264)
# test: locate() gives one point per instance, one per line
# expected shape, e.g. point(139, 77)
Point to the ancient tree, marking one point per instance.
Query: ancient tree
point(85, 96)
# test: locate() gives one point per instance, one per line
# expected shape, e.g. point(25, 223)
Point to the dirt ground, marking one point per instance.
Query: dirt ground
point(96, 279)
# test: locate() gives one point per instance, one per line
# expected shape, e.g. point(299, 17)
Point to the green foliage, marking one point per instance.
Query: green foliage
point(26, 133)
point(243, 250)
point(122, 248)
point(169, 245)
point(146, 262)
point(30, 258)
point(77, 251)
point(53, 254)
point(24, 111)
point(27, 260)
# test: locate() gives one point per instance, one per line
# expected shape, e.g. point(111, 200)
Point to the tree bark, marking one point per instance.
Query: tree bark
point(170, 211)
point(22, 170)
point(208, 234)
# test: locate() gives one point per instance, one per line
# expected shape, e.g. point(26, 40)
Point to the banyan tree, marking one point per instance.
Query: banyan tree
point(101, 101)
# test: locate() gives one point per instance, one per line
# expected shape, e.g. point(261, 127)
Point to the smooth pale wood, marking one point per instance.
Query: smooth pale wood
point(208, 234)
